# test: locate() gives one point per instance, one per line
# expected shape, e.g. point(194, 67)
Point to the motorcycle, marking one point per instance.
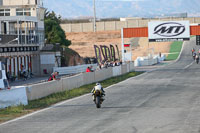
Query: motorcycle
point(98, 98)
point(194, 55)
point(197, 60)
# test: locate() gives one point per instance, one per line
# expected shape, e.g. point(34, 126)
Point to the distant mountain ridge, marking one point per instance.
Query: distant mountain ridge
point(122, 8)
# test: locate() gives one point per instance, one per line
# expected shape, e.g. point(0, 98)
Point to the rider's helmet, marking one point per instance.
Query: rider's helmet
point(98, 83)
point(98, 86)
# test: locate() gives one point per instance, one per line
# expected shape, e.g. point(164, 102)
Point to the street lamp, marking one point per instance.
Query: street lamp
point(94, 16)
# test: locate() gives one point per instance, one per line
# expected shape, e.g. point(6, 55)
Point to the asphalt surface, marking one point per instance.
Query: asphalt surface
point(166, 100)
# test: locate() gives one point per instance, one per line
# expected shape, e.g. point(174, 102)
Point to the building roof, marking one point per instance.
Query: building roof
point(18, 18)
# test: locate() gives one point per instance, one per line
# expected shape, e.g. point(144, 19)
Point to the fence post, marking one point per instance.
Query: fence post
point(104, 26)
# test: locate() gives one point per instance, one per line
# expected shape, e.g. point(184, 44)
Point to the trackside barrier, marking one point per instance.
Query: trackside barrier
point(103, 74)
point(131, 66)
point(40, 90)
point(145, 61)
point(88, 78)
point(72, 82)
point(116, 71)
point(124, 69)
point(73, 69)
point(13, 97)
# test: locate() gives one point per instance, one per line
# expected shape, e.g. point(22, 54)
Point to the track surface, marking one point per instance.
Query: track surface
point(162, 101)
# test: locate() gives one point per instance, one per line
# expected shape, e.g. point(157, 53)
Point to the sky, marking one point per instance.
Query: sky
point(122, 8)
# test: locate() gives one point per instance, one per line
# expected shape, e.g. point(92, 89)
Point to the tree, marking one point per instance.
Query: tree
point(53, 31)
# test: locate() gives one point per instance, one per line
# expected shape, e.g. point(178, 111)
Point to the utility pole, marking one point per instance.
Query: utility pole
point(94, 16)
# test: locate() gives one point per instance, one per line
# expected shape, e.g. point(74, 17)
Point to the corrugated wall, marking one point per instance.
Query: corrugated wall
point(195, 30)
point(143, 32)
point(135, 32)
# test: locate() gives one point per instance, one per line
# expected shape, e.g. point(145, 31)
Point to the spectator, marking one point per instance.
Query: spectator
point(53, 76)
point(91, 69)
point(88, 69)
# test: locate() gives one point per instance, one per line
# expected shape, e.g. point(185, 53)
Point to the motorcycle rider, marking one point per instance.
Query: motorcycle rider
point(98, 85)
point(199, 51)
point(197, 59)
point(193, 50)
point(194, 55)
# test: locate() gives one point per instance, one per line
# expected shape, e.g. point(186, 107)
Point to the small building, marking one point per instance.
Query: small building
point(21, 35)
point(130, 18)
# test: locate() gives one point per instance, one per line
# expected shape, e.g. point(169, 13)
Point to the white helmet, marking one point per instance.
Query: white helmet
point(98, 84)
point(98, 87)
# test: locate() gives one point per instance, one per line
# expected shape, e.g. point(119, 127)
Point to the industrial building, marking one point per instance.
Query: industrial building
point(21, 35)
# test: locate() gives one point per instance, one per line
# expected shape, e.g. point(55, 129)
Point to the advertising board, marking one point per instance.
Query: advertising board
point(163, 31)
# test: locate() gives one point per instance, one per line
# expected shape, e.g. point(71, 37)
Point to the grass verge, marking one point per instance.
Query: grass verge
point(13, 112)
point(175, 50)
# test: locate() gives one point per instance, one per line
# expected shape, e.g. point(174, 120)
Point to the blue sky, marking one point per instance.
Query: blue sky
point(122, 8)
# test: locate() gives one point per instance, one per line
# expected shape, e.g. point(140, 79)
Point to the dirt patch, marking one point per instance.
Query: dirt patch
point(83, 43)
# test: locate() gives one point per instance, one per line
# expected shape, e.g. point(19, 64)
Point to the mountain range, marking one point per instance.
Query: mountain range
point(122, 8)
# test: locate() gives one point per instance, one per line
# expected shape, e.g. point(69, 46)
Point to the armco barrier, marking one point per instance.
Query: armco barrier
point(40, 90)
point(69, 83)
point(13, 97)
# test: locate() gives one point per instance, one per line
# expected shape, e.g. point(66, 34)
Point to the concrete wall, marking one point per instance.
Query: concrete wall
point(100, 26)
point(40, 90)
point(110, 25)
point(124, 69)
point(69, 83)
point(103, 74)
point(131, 66)
point(116, 70)
point(13, 97)
point(88, 78)
point(117, 25)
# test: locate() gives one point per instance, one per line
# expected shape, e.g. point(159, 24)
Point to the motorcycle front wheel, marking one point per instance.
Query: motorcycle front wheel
point(98, 104)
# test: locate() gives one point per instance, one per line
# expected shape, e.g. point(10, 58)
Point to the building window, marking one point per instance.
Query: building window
point(7, 12)
point(4, 12)
point(23, 12)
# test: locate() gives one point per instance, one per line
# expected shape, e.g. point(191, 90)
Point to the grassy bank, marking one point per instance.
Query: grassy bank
point(174, 50)
point(13, 112)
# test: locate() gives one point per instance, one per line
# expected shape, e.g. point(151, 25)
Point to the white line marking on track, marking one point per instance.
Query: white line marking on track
point(188, 65)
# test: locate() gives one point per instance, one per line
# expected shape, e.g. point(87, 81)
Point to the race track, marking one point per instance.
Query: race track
point(166, 100)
